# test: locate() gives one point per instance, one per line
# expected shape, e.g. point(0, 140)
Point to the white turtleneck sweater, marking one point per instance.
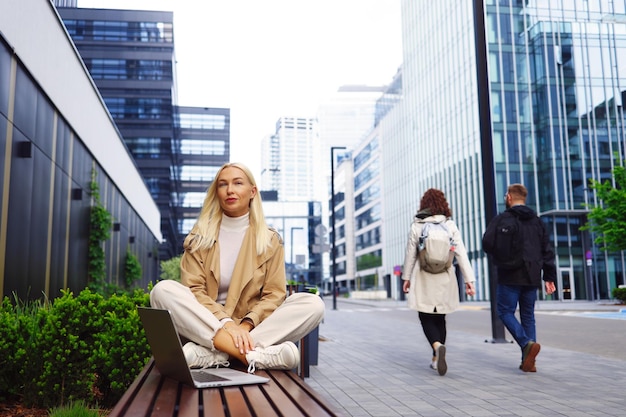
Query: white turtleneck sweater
point(232, 232)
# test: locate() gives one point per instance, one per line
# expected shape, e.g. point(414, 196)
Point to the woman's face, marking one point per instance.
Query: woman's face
point(234, 192)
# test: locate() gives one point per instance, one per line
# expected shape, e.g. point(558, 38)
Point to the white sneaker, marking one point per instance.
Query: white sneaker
point(200, 357)
point(283, 356)
point(442, 366)
point(433, 365)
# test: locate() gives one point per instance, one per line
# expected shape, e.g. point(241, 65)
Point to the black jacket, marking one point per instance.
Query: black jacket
point(538, 253)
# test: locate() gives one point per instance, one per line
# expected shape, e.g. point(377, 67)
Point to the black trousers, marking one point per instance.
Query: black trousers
point(434, 326)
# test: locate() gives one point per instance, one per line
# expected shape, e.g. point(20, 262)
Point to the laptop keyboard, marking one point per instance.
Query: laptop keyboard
point(202, 376)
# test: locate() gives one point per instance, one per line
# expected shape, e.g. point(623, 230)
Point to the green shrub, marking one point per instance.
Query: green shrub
point(84, 348)
point(132, 269)
point(20, 327)
point(620, 294)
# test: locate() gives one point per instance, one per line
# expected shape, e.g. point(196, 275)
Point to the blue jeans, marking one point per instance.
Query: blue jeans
point(508, 297)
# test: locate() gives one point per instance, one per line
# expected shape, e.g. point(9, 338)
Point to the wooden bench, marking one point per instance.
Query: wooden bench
point(286, 394)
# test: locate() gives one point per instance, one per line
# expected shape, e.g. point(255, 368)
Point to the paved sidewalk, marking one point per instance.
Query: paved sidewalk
point(373, 361)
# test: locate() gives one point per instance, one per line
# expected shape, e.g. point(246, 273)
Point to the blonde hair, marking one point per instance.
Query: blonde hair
point(207, 226)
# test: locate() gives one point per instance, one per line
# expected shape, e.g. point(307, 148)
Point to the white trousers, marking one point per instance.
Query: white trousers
point(298, 315)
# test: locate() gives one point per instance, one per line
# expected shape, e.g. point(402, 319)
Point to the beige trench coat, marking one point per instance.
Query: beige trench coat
point(430, 293)
point(258, 284)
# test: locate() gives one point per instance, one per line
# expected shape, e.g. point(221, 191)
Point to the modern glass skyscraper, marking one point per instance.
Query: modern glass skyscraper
point(202, 146)
point(556, 75)
point(130, 56)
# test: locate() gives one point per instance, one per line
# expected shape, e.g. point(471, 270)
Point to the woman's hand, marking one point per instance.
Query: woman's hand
point(469, 288)
point(240, 334)
point(406, 284)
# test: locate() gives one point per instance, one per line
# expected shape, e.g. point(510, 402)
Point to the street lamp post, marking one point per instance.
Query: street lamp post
point(484, 114)
point(332, 220)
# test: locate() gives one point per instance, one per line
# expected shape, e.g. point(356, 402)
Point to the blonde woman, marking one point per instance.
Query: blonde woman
point(231, 302)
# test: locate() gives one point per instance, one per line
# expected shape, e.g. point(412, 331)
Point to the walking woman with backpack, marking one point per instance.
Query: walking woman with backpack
point(429, 274)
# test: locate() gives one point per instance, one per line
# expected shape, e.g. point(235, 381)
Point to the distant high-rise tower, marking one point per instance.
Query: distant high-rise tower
point(290, 159)
point(346, 118)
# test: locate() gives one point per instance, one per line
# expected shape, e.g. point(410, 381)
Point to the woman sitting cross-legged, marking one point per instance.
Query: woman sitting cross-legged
point(231, 302)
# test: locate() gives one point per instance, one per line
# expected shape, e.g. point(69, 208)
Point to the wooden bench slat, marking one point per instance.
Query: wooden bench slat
point(286, 394)
point(301, 394)
point(277, 397)
point(212, 401)
point(142, 403)
point(135, 387)
point(190, 402)
point(258, 402)
point(236, 402)
point(163, 405)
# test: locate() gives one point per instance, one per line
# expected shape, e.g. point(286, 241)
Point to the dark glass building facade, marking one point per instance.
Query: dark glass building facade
point(554, 79)
point(130, 56)
point(202, 147)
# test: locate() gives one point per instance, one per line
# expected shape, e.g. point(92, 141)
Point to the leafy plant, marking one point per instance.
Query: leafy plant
point(84, 348)
point(608, 220)
point(99, 230)
point(20, 326)
point(170, 269)
point(132, 269)
point(620, 294)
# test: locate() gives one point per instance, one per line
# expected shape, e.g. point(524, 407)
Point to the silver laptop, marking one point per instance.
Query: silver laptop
point(170, 359)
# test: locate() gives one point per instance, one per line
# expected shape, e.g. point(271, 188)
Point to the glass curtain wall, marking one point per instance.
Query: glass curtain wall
point(557, 72)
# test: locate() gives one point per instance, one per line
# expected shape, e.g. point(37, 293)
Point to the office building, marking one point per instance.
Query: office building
point(290, 159)
point(58, 139)
point(289, 177)
point(556, 79)
point(202, 137)
point(345, 119)
point(359, 207)
point(130, 55)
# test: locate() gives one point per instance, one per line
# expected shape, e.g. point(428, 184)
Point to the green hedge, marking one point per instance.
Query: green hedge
point(620, 294)
point(85, 348)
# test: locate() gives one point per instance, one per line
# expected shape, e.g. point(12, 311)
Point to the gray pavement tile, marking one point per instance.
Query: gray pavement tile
point(374, 362)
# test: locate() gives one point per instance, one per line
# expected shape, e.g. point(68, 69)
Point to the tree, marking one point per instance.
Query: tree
point(608, 220)
point(170, 269)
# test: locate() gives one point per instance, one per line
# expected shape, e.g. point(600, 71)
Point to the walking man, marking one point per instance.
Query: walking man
point(521, 250)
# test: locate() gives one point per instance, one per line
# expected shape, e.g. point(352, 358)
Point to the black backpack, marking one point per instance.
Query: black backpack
point(508, 248)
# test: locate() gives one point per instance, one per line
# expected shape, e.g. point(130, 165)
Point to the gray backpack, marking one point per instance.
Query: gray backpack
point(436, 248)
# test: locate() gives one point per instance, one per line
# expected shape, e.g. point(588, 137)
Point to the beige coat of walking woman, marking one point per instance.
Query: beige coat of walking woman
point(435, 292)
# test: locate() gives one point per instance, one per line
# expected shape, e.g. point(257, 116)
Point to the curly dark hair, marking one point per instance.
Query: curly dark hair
point(435, 201)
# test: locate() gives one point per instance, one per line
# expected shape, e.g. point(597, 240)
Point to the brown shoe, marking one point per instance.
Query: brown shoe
point(530, 352)
point(533, 369)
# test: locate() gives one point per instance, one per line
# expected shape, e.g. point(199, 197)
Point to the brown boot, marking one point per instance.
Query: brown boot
point(529, 354)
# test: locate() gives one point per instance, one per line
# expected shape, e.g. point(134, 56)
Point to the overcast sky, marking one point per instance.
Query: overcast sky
point(269, 58)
